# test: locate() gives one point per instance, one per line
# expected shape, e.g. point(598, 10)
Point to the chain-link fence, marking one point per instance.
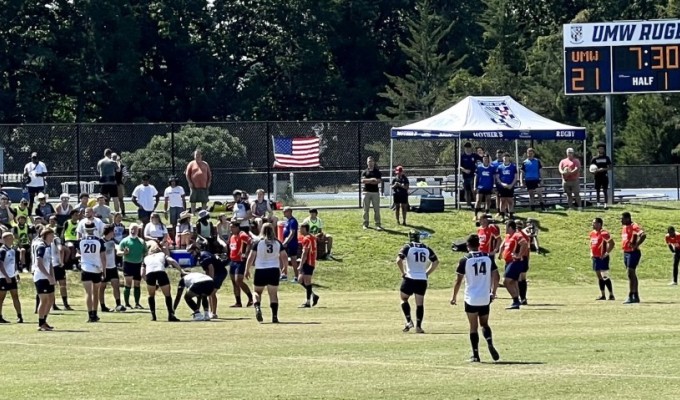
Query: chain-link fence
point(242, 155)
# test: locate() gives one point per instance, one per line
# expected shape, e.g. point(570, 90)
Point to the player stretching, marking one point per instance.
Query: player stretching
point(415, 275)
point(632, 236)
point(514, 246)
point(8, 276)
point(481, 281)
point(673, 242)
point(307, 265)
point(153, 272)
point(601, 245)
point(269, 257)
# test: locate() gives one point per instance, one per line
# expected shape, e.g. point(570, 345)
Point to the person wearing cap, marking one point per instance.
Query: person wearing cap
point(6, 212)
point(92, 265)
point(145, 197)
point(242, 213)
point(34, 176)
point(63, 209)
point(8, 276)
point(110, 273)
point(122, 175)
point(290, 242)
point(154, 273)
point(184, 230)
point(107, 169)
point(101, 210)
point(24, 233)
point(316, 227)
point(468, 165)
point(22, 209)
point(90, 217)
point(133, 250)
point(174, 203)
point(371, 178)
point(43, 209)
point(199, 177)
point(205, 229)
point(262, 210)
point(400, 193)
point(239, 246)
point(570, 169)
point(199, 286)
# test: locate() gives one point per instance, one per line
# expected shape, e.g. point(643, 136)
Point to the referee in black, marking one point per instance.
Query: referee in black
point(603, 164)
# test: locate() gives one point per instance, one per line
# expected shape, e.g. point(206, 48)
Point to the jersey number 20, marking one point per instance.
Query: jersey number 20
point(89, 248)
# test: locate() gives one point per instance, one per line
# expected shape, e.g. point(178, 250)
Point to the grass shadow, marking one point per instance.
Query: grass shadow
point(421, 228)
point(114, 322)
point(316, 285)
point(295, 323)
point(546, 305)
point(393, 232)
point(446, 333)
point(230, 319)
point(68, 331)
point(514, 362)
point(539, 309)
point(659, 302)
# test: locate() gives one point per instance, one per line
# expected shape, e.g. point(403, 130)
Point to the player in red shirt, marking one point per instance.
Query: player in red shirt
point(514, 246)
point(239, 244)
point(522, 283)
point(673, 242)
point(489, 235)
point(307, 265)
point(601, 246)
point(632, 236)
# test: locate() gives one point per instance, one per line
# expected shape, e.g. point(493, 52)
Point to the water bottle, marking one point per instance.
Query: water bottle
point(24, 193)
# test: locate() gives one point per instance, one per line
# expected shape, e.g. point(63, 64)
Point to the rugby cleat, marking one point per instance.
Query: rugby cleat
point(105, 309)
point(513, 306)
point(3, 321)
point(304, 305)
point(20, 320)
point(197, 317)
point(275, 320)
point(611, 297)
point(120, 308)
point(419, 330)
point(67, 307)
point(475, 359)
point(172, 318)
point(237, 305)
point(494, 353)
point(250, 303)
point(315, 300)
point(138, 307)
point(601, 298)
point(629, 300)
point(258, 315)
point(408, 326)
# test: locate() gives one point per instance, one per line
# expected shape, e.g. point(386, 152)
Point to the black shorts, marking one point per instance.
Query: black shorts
point(467, 183)
point(132, 269)
point(109, 190)
point(506, 193)
point(307, 269)
point(220, 277)
point(479, 310)
point(267, 277)
point(413, 286)
point(245, 229)
point(204, 288)
point(291, 250)
point(525, 265)
point(484, 192)
point(532, 184)
point(4, 286)
point(43, 286)
point(401, 198)
point(90, 277)
point(143, 214)
point(111, 274)
point(601, 182)
point(59, 273)
point(35, 190)
point(158, 278)
point(237, 268)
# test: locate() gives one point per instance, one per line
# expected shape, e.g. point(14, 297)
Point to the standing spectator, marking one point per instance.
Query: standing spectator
point(290, 243)
point(506, 178)
point(480, 152)
point(101, 210)
point(495, 163)
point(145, 197)
point(199, 176)
point(570, 168)
point(371, 178)
point(531, 176)
point(483, 185)
point(603, 163)
point(44, 209)
point(241, 209)
point(122, 175)
point(262, 211)
point(468, 165)
point(400, 192)
point(34, 178)
point(107, 169)
point(175, 203)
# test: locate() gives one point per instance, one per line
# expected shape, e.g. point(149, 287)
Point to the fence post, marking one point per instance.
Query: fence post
point(78, 159)
point(269, 163)
point(173, 127)
point(677, 181)
point(359, 157)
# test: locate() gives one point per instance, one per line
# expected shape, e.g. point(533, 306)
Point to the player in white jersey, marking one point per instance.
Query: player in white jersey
point(110, 272)
point(92, 266)
point(269, 257)
point(58, 255)
point(481, 281)
point(89, 217)
point(153, 271)
point(199, 286)
point(43, 277)
point(420, 263)
point(9, 275)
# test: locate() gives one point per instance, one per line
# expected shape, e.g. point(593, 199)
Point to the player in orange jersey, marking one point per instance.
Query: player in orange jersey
point(673, 242)
point(307, 265)
point(489, 235)
point(601, 246)
point(522, 283)
point(239, 246)
point(632, 236)
point(514, 246)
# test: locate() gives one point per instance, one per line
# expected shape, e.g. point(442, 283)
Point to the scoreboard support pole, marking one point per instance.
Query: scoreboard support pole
point(609, 142)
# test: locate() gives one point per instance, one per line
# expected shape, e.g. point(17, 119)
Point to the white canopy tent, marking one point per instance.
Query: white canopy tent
point(497, 117)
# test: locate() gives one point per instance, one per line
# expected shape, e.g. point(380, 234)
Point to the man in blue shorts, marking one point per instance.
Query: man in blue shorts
point(531, 178)
point(514, 246)
point(290, 243)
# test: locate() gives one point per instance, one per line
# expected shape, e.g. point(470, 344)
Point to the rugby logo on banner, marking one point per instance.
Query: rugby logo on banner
point(576, 34)
point(500, 113)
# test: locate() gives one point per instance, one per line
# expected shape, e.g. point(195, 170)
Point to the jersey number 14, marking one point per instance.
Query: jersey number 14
point(480, 268)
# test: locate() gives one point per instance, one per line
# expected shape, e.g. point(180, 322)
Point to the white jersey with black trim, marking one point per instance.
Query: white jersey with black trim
point(8, 259)
point(40, 250)
point(268, 253)
point(155, 262)
point(418, 257)
point(193, 278)
point(110, 247)
point(90, 249)
point(477, 268)
point(55, 252)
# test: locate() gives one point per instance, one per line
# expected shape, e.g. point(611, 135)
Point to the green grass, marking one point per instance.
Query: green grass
point(352, 346)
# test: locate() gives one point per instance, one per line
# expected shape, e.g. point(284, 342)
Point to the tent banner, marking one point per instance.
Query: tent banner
point(566, 134)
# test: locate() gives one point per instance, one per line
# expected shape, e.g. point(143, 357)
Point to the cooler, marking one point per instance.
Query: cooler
point(431, 204)
point(183, 258)
point(279, 230)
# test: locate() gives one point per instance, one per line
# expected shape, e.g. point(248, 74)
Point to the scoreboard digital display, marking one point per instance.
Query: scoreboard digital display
point(622, 57)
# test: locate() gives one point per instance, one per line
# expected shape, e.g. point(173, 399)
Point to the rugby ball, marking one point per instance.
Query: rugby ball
point(593, 168)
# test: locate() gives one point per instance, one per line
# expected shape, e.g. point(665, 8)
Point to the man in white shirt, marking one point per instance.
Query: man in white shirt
point(34, 176)
point(175, 203)
point(89, 217)
point(481, 281)
point(145, 197)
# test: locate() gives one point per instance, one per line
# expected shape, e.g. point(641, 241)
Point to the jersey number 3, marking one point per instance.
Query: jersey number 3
point(480, 268)
point(270, 248)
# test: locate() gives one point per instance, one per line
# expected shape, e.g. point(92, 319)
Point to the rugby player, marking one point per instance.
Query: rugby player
point(632, 236)
point(290, 242)
point(506, 178)
point(134, 250)
point(269, 257)
point(522, 283)
point(601, 246)
point(421, 261)
point(488, 235)
point(307, 265)
point(110, 272)
point(514, 246)
point(483, 184)
point(481, 282)
point(673, 242)
point(43, 277)
point(9, 275)
point(153, 272)
point(199, 286)
point(239, 243)
point(215, 269)
point(92, 265)
point(58, 253)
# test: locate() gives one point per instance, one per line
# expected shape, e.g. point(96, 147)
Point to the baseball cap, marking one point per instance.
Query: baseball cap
point(570, 150)
point(100, 196)
point(287, 208)
point(64, 196)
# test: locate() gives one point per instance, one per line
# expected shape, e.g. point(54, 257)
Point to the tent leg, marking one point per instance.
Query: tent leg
point(456, 172)
point(585, 175)
point(391, 170)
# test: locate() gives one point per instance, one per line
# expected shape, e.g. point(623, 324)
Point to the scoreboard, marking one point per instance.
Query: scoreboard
point(622, 57)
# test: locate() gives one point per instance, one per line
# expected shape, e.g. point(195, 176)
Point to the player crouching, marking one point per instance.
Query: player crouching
point(199, 286)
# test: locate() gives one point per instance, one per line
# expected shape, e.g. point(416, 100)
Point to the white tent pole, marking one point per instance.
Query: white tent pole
point(516, 152)
point(585, 175)
point(389, 184)
point(458, 182)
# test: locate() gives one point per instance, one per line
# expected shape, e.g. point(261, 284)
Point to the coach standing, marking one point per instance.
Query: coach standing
point(107, 169)
point(199, 177)
point(603, 163)
point(34, 178)
point(371, 178)
point(570, 169)
point(468, 166)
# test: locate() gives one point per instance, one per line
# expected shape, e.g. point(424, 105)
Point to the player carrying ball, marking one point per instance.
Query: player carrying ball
point(601, 245)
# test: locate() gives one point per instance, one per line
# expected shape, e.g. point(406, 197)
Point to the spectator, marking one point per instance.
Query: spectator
point(603, 163)
point(506, 178)
point(145, 197)
point(107, 169)
point(69, 236)
point(156, 232)
point(262, 211)
point(90, 217)
point(223, 229)
point(531, 176)
point(44, 209)
point(21, 210)
point(34, 178)
point(495, 163)
point(119, 231)
point(324, 242)
point(184, 230)
point(400, 193)
point(84, 202)
point(6, 213)
point(64, 209)
point(468, 165)
point(371, 178)
point(204, 229)
point(199, 177)
point(122, 175)
point(101, 210)
point(480, 152)
point(242, 213)
point(570, 168)
point(175, 203)
point(24, 233)
point(483, 184)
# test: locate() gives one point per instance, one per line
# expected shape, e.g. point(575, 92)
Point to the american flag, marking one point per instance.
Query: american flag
point(296, 152)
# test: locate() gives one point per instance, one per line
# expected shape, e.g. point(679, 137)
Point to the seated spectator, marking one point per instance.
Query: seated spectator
point(184, 230)
point(324, 242)
point(204, 229)
point(44, 209)
point(262, 211)
point(64, 209)
point(223, 228)
point(119, 230)
point(69, 237)
point(84, 202)
point(156, 232)
point(6, 213)
point(101, 210)
point(22, 210)
point(24, 234)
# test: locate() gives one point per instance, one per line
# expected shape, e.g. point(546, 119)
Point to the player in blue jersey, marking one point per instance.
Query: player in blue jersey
point(468, 165)
point(495, 163)
point(506, 178)
point(483, 183)
point(531, 178)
